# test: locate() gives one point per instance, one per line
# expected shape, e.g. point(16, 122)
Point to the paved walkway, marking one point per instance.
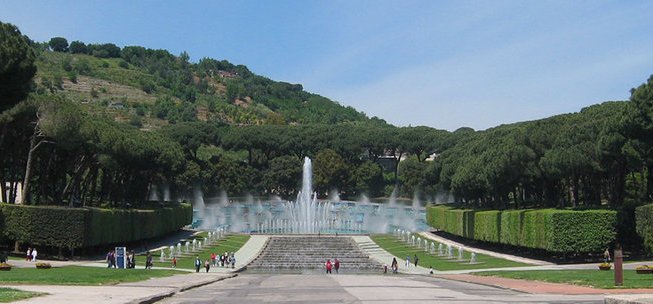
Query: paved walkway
point(136, 292)
point(539, 287)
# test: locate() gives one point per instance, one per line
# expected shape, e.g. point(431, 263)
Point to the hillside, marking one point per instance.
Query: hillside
point(150, 88)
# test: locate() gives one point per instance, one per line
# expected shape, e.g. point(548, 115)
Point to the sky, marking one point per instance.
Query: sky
point(443, 64)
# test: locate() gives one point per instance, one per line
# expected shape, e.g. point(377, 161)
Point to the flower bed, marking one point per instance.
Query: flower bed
point(605, 266)
point(5, 267)
point(43, 266)
point(643, 269)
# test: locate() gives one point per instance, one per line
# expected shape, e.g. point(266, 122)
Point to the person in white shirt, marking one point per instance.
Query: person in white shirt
point(34, 255)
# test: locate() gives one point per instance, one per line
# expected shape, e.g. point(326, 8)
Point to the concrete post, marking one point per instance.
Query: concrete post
point(618, 267)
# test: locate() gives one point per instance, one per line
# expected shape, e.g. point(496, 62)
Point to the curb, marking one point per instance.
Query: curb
point(163, 295)
point(629, 299)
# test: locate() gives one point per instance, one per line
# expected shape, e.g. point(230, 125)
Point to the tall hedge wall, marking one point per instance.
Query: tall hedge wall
point(44, 226)
point(563, 231)
point(487, 225)
point(85, 227)
point(644, 225)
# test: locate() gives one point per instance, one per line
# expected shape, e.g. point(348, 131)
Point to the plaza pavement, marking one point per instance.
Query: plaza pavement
point(154, 289)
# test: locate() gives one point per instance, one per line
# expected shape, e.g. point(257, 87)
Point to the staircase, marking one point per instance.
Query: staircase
point(307, 254)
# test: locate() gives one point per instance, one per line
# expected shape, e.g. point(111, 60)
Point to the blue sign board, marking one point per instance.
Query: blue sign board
point(121, 257)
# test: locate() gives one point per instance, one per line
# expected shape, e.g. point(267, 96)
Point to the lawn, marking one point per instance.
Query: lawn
point(586, 277)
point(231, 243)
point(399, 248)
point(10, 295)
point(78, 275)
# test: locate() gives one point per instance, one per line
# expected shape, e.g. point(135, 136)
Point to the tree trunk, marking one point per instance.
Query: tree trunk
point(28, 168)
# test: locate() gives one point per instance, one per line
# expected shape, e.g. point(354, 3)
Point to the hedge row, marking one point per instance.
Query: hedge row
point(563, 231)
point(85, 227)
point(644, 224)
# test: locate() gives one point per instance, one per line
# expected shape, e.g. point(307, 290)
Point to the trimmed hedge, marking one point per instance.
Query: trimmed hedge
point(85, 227)
point(562, 231)
point(644, 225)
point(511, 223)
point(44, 225)
point(487, 225)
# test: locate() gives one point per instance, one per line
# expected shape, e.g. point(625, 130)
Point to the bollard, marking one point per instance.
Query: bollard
point(618, 266)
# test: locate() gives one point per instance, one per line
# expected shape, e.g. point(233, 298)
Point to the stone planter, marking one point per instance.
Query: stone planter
point(5, 267)
point(644, 271)
point(605, 267)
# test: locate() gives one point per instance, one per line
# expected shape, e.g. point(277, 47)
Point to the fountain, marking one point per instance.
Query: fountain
point(449, 251)
point(187, 244)
point(460, 253)
point(163, 256)
point(432, 248)
point(178, 249)
point(307, 215)
point(440, 249)
point(472, 260)
point(172, 251)
point(194, 245)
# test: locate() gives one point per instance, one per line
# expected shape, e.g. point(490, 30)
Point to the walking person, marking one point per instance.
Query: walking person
point(198, 264)
point(416, 259)
point(34, 253)
point(394, 265)
point(407, 261)
point(336, 265)
point(109, 254)
point(233, 260)
point(174, 262)
point(328, 266)
point(207, 265)
point(28, 256)
point(213, 257)
point(148, 261)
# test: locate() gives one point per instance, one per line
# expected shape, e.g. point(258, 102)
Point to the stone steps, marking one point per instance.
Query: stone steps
point(309, 253)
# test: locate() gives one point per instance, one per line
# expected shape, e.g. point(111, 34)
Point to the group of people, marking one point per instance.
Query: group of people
point(395, 265)
point(415, 259)
point(329, 266)
point(131, 260)
point(216, 260)
point(31, 254)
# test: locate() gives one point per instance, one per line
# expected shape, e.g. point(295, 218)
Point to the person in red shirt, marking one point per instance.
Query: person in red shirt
point(336, 265)
point(213, 256)
point(328, 266)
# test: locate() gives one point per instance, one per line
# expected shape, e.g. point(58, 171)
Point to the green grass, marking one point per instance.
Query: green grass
point(78, 275)
point(10, 295)
point(232, 243)
point(399, 248)
point(586, 277)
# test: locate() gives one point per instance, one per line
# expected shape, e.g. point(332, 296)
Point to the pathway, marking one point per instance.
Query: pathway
point(136, 292)
point(364, 289)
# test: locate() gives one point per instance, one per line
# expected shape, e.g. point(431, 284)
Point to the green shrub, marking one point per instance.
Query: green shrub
point(45, 225)
point(581, 231)
point(487, 226)
point(562, 231)
point(644, 225)
point(85, 227)
point(511, 227)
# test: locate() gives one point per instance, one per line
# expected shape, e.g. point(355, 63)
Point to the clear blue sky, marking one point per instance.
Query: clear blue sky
point(444, 64)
